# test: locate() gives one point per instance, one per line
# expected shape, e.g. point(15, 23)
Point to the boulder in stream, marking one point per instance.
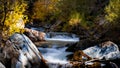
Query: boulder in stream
point(105, 55)
point(22, 52)
point(34, 35)
point(107, 50)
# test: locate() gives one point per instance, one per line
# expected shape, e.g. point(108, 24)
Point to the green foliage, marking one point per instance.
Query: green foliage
point(75, 19)
point(113, 11)
point(77, 12)
point(67, 7)
point(72, 12)
point(44, 8)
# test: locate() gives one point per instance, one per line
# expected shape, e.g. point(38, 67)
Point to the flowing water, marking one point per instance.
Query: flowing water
point(55, 56)
point(56, 53)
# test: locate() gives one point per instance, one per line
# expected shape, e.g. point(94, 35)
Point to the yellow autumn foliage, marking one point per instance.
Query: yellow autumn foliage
point(15, 20)
point(75, 19)
point(113, 10)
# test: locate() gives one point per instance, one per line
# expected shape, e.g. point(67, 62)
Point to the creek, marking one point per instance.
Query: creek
point(56, 43)
point(55, 52)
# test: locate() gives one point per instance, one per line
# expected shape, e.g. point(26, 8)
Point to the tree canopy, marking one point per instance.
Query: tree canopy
point(89, 15)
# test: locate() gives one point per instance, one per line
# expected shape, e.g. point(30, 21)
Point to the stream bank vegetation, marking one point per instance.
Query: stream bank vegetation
point(94, 20)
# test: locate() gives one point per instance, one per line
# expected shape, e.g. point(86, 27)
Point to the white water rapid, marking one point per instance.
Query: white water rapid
point(61, 37)
point(55, 56)
point(56, 53)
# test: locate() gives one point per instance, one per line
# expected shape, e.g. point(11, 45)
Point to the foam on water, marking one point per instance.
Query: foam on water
point(63, 38)
point(55, 55)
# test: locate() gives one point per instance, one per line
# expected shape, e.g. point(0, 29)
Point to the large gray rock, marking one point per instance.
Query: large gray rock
point(28, 52)
point(107, 50)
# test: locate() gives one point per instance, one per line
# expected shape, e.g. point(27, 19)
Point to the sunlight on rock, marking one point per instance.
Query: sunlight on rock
point(28, 51)
point(107, 50)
